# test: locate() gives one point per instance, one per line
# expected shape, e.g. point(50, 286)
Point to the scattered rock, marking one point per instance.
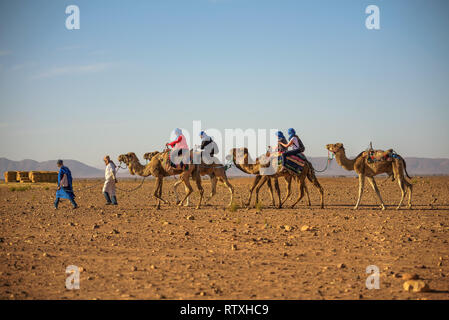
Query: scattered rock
point(341, 266)
point(234, 247)
point(416, 286)
point(190, 218)
point(305, 228)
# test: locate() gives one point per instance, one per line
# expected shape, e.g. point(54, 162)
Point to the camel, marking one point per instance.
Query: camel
point(216, 172)
point(240, 158)
point(363, 168)
point(159, 168)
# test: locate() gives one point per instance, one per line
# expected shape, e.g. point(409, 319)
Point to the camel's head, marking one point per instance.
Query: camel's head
point(149, 155)
point(334, 148)
point(127, 158)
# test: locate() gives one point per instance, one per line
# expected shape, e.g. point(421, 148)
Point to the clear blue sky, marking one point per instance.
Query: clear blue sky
point(137, 69)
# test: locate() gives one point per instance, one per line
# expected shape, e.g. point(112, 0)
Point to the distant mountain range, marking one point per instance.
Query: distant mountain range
point(415, 166)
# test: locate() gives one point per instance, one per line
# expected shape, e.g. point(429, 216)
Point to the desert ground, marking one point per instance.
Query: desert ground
point(133, 251)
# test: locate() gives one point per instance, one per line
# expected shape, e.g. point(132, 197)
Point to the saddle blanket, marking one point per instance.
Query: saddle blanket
point(373, 156)
point(293, 163)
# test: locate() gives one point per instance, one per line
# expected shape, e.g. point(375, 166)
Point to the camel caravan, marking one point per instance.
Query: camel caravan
point(287, 160)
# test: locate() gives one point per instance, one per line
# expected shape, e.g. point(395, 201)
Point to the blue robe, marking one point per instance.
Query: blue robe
point(67, 192)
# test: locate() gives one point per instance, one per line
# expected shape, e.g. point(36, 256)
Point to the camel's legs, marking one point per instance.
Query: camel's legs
point(307, 194)
point(361, 185)
point(311, 176)
point(410, 190)
point(158, 192)
point(278, 191)
point(188, 187)
point(200, 188)
point(255, 182)
point(288, 181)
point(376, 189)
point(213, 182)
point(259, 186)
point(401, 183)
point(270, 188)
point(301, 192)
point(398, 170)
point(175, 189)
point(230, 188)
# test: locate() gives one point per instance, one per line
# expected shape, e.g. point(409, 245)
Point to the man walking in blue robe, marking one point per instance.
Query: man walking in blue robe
point(65, 190)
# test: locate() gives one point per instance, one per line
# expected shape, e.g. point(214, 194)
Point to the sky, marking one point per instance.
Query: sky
point(135, 70)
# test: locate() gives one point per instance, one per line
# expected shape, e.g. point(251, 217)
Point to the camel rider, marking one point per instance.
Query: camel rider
point(208, 147)
point(282, 141)
point(110, 181)
point(294, 145)
point(180, 153)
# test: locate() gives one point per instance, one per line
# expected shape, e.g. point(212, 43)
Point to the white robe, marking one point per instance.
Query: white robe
point(109, 175)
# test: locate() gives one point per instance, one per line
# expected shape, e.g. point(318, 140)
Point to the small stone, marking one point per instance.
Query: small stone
point(234, 247)
point(416, 286)
point(134, 268)
point(341, 266)
point(287, 228)
point(190, 218)
point(305, 228)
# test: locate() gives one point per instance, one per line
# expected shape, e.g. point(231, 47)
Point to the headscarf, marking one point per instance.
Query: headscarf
point(291, 133)
point(178, 132)
point(280, 135)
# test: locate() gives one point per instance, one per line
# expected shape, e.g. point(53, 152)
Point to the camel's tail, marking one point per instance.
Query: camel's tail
point(311, 173)
point(405, 167)
point(400, 158)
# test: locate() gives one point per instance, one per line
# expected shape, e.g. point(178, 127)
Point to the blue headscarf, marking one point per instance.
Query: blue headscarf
point(291, 133)
point(280, 135)
point(178, 132)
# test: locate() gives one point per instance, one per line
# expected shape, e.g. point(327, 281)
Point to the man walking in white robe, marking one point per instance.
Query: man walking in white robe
point(110, 181)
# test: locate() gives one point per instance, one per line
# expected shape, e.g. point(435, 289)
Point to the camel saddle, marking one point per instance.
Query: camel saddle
point(373, 156)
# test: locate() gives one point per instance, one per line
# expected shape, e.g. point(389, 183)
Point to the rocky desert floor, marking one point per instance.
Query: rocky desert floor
point(133, 251)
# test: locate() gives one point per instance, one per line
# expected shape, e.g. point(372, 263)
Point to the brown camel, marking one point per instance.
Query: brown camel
point(216, 172)
point(240, 157)
point(365, 169)
point(159, 167)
